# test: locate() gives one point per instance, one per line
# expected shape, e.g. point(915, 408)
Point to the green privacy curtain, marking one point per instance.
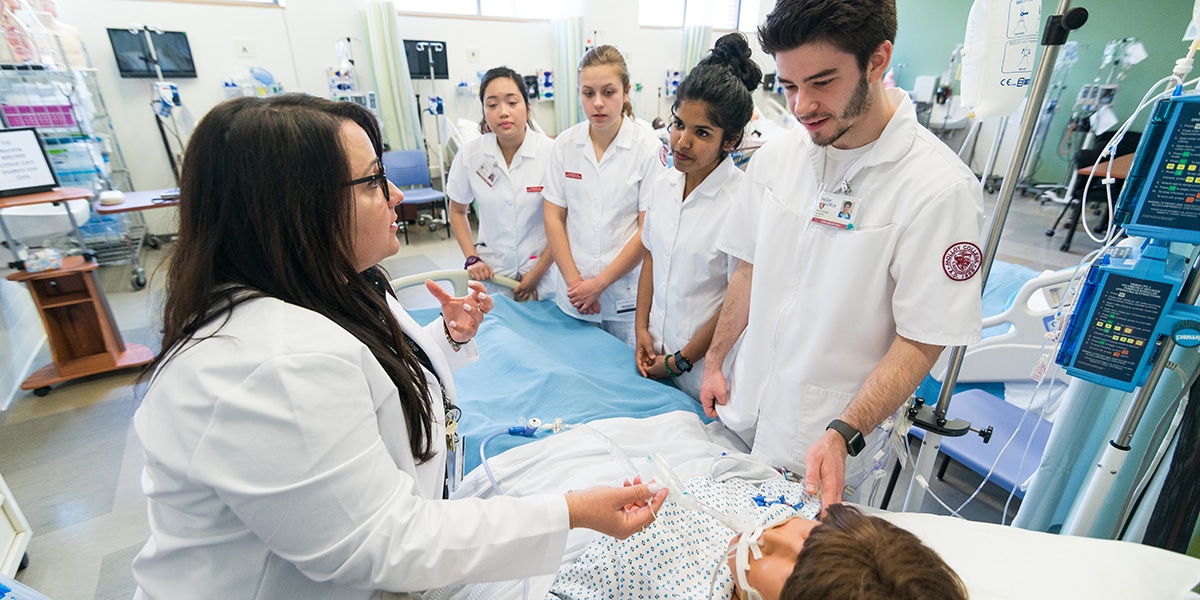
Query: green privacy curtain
point(695, 46)
point(568, 45)
point(397, 105)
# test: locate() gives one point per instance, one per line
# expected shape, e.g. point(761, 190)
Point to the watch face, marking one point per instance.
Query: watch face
point(854, 439)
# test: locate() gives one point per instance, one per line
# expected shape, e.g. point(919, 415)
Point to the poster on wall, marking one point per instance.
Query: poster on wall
point(24, 165)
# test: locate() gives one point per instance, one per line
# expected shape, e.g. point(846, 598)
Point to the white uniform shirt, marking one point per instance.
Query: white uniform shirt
point(278, 466)
point(603, 200)
point(512, 231)
point(826, 304)
point(690, 272)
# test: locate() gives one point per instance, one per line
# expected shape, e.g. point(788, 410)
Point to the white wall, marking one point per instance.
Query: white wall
point(296, 44)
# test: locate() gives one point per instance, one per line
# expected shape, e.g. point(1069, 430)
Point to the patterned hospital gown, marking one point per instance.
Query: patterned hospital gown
point(682, 554)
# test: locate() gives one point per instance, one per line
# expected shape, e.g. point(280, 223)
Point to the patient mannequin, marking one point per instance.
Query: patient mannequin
point(689, 554)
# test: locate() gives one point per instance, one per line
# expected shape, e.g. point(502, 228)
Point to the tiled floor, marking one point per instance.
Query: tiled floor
point(73, 461)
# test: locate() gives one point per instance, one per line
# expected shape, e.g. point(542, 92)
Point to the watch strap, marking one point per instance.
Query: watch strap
point(472, 259)
point(684, 365)
point(854, 438)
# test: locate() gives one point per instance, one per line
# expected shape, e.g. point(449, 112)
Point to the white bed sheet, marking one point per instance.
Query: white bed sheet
point(995, 562)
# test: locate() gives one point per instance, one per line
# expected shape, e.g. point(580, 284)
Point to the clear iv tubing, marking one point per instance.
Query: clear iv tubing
point(1148, 99)
point(1079, 268)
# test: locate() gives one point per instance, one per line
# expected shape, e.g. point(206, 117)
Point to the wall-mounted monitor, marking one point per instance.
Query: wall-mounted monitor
point(419, 53)
point(24, 164)
point(134, 58)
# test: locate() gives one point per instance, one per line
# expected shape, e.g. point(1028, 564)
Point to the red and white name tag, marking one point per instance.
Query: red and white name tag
point(534, 189)
point(571, 175)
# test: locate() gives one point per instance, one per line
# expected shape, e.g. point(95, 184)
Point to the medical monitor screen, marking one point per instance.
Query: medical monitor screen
point(24, 165)
point(421, 53)
point(135, 60)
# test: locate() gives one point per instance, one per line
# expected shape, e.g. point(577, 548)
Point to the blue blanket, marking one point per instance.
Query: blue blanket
point(536, 361)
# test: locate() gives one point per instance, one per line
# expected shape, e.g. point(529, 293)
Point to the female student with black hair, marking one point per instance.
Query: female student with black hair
point(502, 172)
point(684, 275)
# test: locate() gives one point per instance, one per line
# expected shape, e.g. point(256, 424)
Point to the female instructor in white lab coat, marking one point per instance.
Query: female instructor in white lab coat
point(294, 425)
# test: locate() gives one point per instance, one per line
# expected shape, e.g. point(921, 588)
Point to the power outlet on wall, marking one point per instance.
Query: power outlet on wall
point(473, 55)
point(243, 48)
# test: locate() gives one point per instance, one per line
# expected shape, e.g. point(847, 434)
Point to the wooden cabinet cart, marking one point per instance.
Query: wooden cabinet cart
point(80, 329)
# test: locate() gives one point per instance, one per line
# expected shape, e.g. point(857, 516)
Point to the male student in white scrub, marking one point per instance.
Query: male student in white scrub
point(843, 314)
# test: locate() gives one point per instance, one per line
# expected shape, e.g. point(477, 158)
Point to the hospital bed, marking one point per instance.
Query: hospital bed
point(537, 362)
point(995, 562)
point(571, 365)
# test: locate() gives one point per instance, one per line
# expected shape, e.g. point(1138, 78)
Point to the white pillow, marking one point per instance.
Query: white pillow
point(1006, 562)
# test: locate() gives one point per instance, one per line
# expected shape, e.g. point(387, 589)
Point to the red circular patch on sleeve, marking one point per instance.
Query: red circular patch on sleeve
point(962, 261)
point(662, 155)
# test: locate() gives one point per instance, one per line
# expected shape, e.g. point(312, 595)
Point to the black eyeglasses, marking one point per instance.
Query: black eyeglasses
point(380, 178)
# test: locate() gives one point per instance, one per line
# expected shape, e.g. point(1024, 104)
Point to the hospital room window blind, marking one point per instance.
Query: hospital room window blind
point(718, 14)
point(280, 3)
point(516, 9)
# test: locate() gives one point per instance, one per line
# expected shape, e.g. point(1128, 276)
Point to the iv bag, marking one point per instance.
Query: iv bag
point(998, 54)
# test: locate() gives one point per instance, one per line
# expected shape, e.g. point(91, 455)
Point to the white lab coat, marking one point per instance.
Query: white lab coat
point(603, 200)
point(690, 272)
point(278, 466)
point(512, 231)
point(826, 304)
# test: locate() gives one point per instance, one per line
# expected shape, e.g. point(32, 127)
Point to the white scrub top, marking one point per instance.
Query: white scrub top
point(690, 272)
point(278, 466)
point(826, 303)
point(512, 231)
point(603, 200)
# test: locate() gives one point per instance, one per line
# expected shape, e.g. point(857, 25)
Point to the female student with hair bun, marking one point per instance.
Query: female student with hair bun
point(597, 188)
point(684, 275)
point(503, 171)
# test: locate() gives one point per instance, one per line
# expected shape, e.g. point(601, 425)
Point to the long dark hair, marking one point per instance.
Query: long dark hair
point(493, 74)
point(263, 212)
point(723, 82)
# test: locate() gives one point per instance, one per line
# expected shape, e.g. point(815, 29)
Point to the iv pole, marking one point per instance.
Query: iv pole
point(146, 30)
point(933, 420)
point(435, 109)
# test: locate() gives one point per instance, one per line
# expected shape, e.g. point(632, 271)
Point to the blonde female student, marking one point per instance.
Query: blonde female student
point(503, 172)
point(684, 275)
point(597, 189)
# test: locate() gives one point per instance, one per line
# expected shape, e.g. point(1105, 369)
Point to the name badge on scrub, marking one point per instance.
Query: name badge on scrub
point(836, 210)
point(487, 174)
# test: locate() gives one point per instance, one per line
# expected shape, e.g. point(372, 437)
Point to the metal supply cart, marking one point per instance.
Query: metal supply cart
point(73, 122)
point(121, 230)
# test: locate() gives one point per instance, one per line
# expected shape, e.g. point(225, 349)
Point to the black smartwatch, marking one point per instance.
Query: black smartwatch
point(854, 438)
point(684, 365)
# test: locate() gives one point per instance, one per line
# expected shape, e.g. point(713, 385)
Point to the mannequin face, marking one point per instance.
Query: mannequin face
point(781, 545)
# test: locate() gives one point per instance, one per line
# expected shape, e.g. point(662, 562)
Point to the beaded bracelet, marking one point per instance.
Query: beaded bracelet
point(667, 366)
